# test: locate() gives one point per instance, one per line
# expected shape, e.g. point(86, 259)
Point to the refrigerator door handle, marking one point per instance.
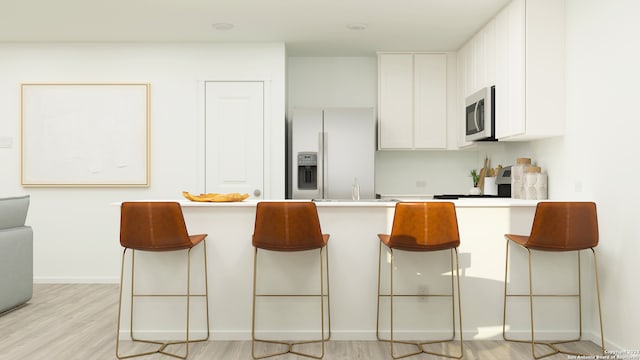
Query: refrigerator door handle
point(320, 174)
point(325, 165)
point(321, 157)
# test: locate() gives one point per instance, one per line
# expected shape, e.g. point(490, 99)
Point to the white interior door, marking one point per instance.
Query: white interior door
point(234, 118)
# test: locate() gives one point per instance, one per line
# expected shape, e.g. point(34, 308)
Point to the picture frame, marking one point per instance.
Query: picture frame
point(85, 134)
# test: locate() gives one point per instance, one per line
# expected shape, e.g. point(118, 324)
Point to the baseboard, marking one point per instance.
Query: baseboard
point(594, 337)
point(75, 280)
point(157, 335)
point(355, 335)
point(351, 335)
point(608, 345)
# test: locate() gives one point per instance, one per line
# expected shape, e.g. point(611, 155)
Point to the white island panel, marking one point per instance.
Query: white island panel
point(353, 257)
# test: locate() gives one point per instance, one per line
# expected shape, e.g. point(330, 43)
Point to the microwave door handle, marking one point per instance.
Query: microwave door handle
point(475, 116)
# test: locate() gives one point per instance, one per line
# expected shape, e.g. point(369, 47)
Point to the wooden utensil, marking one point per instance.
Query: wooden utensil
point(483, 173)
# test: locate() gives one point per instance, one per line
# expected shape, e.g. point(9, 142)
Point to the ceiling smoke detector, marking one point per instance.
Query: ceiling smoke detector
point(222, 26)
point(357, 26)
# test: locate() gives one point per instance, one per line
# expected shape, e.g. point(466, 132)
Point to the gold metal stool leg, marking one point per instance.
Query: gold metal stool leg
point(130, 313)
point(550, 344)
point(290, 345)
point(420, 345)
point(530, 295)
point(595, 268)
point(162, 345)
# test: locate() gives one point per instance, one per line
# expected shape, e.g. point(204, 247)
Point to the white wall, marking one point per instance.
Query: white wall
point(596, 159)
point(353, 81)
point(75, 229)
point(425, 172)
point(602, 89)
point(332, 82)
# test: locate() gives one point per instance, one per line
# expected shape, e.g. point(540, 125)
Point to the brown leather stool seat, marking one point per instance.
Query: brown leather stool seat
point(290, 227)
point(422, 227)
point(557, 227)
point(158, 227)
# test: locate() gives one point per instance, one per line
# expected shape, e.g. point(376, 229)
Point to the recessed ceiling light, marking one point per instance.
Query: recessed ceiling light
point(223, 26)
point(357, 26)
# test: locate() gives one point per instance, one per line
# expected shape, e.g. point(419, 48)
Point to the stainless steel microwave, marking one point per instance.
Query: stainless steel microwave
point(480, 115)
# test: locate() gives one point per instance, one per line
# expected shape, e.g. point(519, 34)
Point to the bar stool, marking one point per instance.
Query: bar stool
point(557, 227)
point(422, 227)
point(158, 227)
point(290, 227)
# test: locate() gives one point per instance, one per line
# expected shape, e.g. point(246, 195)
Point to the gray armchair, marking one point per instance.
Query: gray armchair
point(16, 253)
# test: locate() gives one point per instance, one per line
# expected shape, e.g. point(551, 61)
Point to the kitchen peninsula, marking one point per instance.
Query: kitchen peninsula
point(353, 255)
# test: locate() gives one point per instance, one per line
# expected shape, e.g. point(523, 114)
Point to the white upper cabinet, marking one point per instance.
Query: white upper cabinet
point(477, 60)
point(464, 87)
point(476, 64)
point(395, 101)
point(412, 100)
point(530, 84)
point(489, 55)
point(430, 101)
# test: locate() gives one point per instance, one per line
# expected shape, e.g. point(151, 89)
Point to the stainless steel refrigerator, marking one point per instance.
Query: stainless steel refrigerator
point(332, 152)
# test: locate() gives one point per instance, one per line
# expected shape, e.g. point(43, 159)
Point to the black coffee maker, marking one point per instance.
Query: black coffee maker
point(503, 180)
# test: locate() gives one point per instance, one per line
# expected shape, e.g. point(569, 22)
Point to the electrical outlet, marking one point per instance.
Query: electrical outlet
point(6, 142)
point(577, 186)
point(422, 289)
point(465, 261)
point(421, 183)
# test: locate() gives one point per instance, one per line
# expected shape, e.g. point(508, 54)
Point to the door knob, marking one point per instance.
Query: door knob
point(256, 192)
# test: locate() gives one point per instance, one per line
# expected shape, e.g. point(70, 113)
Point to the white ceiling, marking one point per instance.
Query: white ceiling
point(308, 27)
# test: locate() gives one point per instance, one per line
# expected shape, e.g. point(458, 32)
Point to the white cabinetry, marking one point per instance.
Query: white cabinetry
point(476, 65)
point(488, 63)
point(412, 100)
point(465, 71)
point(530, 70)
point(477, 60)
point(464, 88)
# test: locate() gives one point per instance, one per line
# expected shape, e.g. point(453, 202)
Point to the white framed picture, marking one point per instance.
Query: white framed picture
point(85, 134)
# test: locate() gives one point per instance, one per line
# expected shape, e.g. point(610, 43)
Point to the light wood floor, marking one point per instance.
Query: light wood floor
point(65, 322)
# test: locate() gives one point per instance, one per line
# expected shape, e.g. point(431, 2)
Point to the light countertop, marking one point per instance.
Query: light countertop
point(469, 202)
